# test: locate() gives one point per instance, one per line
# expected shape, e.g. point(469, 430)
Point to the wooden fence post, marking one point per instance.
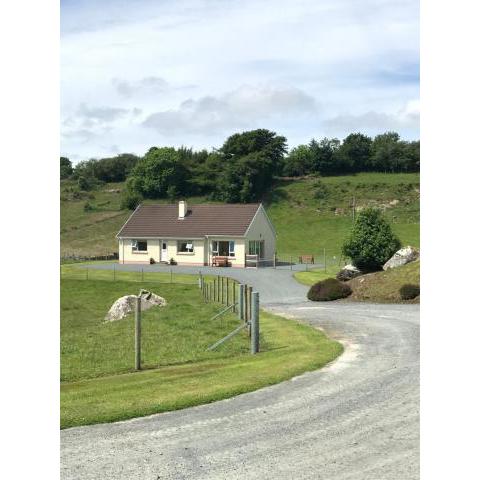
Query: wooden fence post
point(138, 333)
point(255, 324)
point(228, 294)
point(233, 295)
point(241, 302)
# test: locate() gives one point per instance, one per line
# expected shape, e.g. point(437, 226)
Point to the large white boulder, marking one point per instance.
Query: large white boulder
point(125, 305)
point(402, 257)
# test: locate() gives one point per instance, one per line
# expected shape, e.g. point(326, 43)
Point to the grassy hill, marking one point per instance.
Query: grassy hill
point(309, 214)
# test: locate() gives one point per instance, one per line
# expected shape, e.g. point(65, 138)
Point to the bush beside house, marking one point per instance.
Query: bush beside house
point(371, 242)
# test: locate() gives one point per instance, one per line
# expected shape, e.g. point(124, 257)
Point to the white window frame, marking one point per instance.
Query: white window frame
point(187, 250)
point(135, 243)
point(215, 245)
point(231, 248)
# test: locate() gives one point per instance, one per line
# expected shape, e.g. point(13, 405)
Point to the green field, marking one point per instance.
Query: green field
point(309, 214)
point(97, 358)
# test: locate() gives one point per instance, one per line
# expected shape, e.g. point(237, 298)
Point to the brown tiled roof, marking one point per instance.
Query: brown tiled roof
point(162, 221)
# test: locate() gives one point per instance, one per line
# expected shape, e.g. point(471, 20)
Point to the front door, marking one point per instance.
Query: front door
point(164, 257)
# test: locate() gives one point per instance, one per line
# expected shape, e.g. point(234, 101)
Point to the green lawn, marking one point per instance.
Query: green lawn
point(98, 384)
point(81, 271)
point(316, 275)
point(307, 217)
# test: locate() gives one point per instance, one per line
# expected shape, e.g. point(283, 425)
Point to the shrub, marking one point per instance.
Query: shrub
point(320, 191)
point(329, 289)
point(85, 183)
point(152, 261)
point(130, 200)
point(88, 207)
point(371, 242)
point(409, 291)
point(172, 261)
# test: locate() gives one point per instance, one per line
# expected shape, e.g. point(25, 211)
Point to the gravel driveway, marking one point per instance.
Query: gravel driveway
point(355, 419)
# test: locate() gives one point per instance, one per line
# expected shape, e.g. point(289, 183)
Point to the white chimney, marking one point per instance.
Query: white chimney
point(182, 209)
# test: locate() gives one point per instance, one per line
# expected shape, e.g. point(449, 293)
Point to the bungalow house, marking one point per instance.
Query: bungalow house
point(231, 234)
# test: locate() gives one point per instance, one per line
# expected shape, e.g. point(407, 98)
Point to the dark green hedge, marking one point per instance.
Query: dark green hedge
point(329, 289)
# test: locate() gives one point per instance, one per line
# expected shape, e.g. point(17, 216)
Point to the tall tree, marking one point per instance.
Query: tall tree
point(250, 160)
point(160, 173)
point(66, 168)
point(387, 152)
point(325, 159)
point(299, 161)
point(355, 152)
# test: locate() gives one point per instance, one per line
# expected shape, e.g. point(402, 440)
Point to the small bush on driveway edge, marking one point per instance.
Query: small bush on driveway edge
point(329, 289)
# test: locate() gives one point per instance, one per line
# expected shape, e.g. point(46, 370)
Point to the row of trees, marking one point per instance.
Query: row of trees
point(244, 168)
point(357, 153)
point(111, 169)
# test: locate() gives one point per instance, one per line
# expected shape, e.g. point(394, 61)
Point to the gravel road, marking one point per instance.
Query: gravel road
point(357, 418)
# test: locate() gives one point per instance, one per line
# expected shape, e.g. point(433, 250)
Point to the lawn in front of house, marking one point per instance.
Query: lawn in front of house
point(97, 358)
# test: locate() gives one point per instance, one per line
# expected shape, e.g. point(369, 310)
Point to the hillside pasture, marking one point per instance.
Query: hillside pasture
point(309, 214)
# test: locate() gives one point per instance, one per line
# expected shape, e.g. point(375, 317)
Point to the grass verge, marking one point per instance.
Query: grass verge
point(384, 287)
point(316, 275)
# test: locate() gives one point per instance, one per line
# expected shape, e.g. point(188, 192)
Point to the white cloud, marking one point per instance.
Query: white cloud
point(147, 85)
point(405, 119)
point(244, 107)
point(198, 69)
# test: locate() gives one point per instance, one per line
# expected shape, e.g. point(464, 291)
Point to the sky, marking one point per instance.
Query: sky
point(143, 73)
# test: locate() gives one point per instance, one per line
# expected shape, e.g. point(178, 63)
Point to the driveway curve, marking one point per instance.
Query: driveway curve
point(357, 418)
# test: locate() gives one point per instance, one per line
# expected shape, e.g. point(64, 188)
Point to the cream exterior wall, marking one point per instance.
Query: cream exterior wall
point(154, 251)
point(261, 229)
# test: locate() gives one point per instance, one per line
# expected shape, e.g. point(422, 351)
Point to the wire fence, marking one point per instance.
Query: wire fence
point(114, 274)
point(323, 259)
point(72, 257)
point(238, 298)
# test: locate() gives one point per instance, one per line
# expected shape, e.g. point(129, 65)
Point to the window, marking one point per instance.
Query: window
point(185, 246)
point(139, 245)
point(223, 248)
point(256, 247)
